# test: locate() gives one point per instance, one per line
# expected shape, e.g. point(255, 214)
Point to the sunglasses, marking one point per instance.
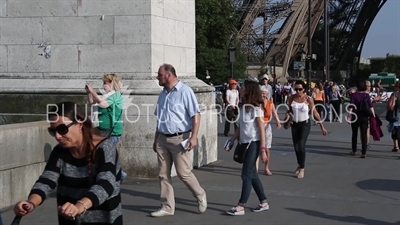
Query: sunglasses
point(298, 89)
point(61, 129)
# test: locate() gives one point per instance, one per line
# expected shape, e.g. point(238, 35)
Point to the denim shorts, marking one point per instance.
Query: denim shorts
point(115, 139)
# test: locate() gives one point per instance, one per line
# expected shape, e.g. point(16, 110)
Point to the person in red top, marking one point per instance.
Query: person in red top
point(270, 111)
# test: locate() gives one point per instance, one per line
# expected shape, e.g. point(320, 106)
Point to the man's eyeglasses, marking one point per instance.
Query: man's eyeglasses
point(61, 129)
point(298, 89)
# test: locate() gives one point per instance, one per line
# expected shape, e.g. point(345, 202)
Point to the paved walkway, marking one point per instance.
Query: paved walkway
point(337, 188)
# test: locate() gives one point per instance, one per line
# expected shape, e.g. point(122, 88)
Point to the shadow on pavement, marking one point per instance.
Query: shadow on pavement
point(335, 141)
point(334, 152)
point(283, 173)
point(225, 170)
point(311, 149)
point(344, 219)
point(379, 185)
point(152, 196)
point(223, 135)
point(233, 171)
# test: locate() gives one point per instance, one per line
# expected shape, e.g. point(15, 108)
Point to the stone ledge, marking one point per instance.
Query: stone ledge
point(147, 86)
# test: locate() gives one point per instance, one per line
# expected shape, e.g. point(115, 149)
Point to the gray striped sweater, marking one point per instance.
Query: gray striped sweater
point(70, 176)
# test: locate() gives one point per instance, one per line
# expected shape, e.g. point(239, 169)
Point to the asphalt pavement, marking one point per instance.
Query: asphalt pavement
point(337, 188)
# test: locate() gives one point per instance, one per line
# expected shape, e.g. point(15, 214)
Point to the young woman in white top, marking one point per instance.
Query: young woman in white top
point(300, 105)
point(251, 133)
point(231, 111)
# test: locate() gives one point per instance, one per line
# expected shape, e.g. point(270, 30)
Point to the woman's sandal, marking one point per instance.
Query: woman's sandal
point(268, 173)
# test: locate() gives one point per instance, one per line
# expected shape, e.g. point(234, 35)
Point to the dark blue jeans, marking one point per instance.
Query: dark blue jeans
point(300, 132)
point(1, 221)
point(250, 175)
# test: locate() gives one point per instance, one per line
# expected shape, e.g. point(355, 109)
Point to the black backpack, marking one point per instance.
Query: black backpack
point(364, 107)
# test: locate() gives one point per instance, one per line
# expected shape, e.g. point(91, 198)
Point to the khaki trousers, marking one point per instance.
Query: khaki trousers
point(169, 151)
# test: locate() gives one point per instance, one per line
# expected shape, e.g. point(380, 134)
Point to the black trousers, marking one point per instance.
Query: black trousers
point(360, 124)
point(336, 107)
point(396, 134)
point(300, 132)
point(231, 117)
point(319, 105)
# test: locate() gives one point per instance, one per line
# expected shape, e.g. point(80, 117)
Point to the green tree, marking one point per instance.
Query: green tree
point(392, 64)
point(363, 71)
point(378, 65)
point(215, 23)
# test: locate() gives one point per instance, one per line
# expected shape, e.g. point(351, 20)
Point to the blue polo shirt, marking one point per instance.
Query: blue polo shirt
point(175, 109)
point(327, 91)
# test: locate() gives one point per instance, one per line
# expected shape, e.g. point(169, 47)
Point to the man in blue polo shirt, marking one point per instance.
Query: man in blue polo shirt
point(178, 122)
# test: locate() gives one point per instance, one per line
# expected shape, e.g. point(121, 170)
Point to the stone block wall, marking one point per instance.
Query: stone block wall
point(96, 36)
point(24, 149)
point(52, 48)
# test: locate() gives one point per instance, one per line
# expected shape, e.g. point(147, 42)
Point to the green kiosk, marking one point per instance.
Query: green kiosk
point(387, 79)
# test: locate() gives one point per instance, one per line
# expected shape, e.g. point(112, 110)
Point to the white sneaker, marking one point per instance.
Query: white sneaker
point(234, 212)
point(203, 204)
point(161, 213)
point(261, 208)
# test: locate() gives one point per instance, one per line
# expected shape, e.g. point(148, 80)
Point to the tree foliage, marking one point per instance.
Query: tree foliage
point(215, 23)
point(377, 65)
point(318, 45)
point(392, 64)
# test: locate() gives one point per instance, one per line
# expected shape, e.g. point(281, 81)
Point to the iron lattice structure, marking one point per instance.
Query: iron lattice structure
point(255, 29)
point(292, 38)
point(350, 19)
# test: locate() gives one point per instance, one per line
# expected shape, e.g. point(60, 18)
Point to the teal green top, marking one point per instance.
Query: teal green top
point(111, 117)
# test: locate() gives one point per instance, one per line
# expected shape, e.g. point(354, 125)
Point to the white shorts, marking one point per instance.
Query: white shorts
point(268, 136)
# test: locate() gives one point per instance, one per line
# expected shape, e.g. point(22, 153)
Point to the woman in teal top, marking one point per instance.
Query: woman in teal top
point(109, 108)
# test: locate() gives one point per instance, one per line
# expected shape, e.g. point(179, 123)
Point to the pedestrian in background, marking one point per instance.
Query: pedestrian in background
point(108, 108)
point(358, 116)
point(269, 113)
point(300, 107)
point(231, 111)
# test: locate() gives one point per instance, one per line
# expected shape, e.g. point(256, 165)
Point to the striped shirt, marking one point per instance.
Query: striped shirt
point(70, 176)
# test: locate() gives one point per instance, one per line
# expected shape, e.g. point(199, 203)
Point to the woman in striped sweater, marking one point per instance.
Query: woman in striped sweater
point(85, 169)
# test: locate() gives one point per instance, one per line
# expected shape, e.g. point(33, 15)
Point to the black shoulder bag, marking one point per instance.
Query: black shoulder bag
point(240, 152)
point(391, 115)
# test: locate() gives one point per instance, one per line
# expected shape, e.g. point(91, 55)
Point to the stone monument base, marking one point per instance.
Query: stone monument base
point(25, 99)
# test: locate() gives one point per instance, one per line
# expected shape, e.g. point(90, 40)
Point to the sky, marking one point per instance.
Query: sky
point(384, 34)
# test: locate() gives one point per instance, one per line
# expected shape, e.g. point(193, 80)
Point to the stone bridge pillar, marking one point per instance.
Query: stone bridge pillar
point(50, 49)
